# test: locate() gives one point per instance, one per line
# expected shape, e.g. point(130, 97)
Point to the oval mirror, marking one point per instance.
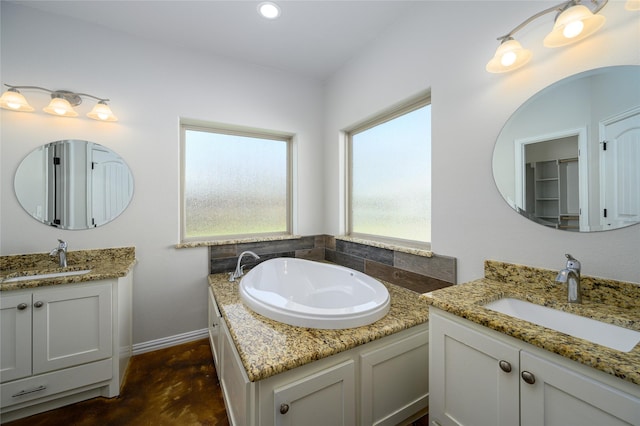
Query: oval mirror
point(569, 157)
point(73, 184)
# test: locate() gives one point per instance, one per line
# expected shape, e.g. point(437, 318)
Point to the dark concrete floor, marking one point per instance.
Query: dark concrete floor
point(167, 387)
point(173, 386)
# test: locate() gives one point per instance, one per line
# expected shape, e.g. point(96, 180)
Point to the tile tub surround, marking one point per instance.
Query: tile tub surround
point(414, 269)
point(103, 263)
point(604, 300)
point(268, 347)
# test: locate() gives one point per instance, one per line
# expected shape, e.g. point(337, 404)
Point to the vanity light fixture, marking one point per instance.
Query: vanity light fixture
point(574, 21)
point(269, 10)
point(632, 5)
point(62, 103)
point(14, 100)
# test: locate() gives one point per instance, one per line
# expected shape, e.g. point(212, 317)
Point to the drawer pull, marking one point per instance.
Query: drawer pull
point(28, 391)
point(38, 304)
point(505, 366)
point(22, 306)
point(284, 408)
point(528, 377)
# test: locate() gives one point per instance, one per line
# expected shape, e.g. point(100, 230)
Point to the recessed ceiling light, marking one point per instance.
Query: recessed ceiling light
point(269, 10)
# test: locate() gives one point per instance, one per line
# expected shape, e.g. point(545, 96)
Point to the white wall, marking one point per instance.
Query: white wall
point(151, 87)
point(445, 46)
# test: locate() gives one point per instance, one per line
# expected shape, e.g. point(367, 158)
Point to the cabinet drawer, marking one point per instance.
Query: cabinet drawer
point(45, 385)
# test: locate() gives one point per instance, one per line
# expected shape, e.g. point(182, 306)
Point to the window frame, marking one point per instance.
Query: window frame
point(403, 108)
point(225, 129)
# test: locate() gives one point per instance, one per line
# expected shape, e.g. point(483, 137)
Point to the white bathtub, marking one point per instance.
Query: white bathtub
point(312, 294)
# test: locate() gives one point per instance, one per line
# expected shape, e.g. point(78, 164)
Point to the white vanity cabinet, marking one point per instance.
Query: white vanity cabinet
point(62, 344)
point(383, 382)
point(481, 377)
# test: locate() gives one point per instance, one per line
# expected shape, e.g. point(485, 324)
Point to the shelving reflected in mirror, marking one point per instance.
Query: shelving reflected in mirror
point(73, 184)
point(568, 157)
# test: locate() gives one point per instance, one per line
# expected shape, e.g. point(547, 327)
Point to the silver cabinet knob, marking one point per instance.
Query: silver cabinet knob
point(528, 377)
point(22, 306)
point(38, 304)
point(505, 366)
point(284, 408)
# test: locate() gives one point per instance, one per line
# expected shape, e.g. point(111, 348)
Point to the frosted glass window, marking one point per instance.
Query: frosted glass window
point(390, 187)
point(234, 185)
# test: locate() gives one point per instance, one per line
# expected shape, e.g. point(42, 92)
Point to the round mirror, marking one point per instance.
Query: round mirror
point(569, 157)
point(73, 184)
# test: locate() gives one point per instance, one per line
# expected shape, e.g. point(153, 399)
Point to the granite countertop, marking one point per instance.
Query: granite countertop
point(103, 263)
point(604, 300)
point(268, 347)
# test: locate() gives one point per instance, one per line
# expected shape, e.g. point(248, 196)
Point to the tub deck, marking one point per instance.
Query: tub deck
point(268, 347)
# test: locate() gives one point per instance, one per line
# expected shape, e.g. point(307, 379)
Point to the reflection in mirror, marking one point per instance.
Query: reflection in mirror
point(73, 184)
point(569, 157)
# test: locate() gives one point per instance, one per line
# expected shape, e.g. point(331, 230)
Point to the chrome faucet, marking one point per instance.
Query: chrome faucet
point(240, 268)
point(571, 275)
point(61, 252)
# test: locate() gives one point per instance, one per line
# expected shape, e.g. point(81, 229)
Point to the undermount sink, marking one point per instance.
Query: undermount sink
point(609, 335)
point(45, 276)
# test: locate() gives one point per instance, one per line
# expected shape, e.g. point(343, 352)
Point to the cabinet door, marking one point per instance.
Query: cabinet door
point(214, 330)
point(394, 380)
point(321, 399)
point(71, 326)
point(15, 336)
point(467, 385)
point(236, 387)
point(560, 396)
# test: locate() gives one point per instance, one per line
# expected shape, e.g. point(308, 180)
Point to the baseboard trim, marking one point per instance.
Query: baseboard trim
point(167, 342)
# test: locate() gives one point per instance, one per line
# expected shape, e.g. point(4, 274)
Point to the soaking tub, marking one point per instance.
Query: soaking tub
point(313, 294)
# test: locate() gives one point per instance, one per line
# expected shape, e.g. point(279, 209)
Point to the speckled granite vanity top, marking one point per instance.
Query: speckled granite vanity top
point(268, 347)
point(102, 263)
point(604, 300)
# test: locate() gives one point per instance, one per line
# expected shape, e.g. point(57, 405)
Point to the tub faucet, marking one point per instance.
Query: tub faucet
point(240, 268)
point(571, 276)
point(61, 252)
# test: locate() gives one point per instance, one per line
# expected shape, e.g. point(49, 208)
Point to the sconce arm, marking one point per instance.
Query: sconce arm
point(599, 4)
point(59, 93)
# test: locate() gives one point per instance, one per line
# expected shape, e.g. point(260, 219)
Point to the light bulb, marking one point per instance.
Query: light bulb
point(572, 25)
point(509, 56)
point(102, 112)
point(60, 107)
point(573, 29)
point(508, 59)
point(14, 101)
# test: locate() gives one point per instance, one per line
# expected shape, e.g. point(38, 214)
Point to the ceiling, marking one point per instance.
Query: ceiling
point(310, 38)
